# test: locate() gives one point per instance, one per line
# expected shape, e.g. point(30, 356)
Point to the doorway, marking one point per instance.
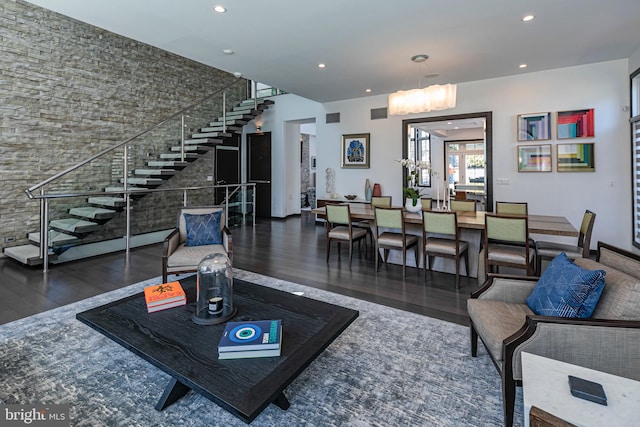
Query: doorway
point(259, 170)
point(465, 138)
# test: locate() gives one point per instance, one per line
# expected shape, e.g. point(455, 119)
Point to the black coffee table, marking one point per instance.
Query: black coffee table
point(188, 352)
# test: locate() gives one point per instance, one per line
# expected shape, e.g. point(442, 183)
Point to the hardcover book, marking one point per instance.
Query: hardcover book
point(165, 295)
point(257, 338)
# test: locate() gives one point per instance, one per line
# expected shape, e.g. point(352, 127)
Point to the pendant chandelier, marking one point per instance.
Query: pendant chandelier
point(431, 98)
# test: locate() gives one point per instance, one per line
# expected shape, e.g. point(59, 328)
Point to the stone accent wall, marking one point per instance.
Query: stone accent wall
point(70, 90)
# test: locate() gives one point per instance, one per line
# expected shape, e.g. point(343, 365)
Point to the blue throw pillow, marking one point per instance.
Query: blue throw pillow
point(203, 229)
point(566, 290)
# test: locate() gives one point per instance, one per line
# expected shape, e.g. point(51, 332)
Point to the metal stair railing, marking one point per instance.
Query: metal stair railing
point(40, 191)
point(230, 190)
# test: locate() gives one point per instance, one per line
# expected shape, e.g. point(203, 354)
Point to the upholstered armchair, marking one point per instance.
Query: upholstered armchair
point(608, 340)
point(200, 231)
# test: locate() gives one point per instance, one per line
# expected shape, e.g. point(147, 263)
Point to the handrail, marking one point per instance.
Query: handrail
point(132, 191)
point(103, 152)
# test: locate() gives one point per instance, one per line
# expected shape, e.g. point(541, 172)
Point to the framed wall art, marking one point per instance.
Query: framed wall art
point(534, 158)
point(575, 124)
point(355, 151)
point(575, 157)
point(534, 127)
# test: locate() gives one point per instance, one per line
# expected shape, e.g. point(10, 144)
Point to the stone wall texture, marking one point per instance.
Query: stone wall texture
point(69, 90)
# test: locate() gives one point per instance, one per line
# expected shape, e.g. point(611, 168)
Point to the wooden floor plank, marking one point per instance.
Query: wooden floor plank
point(292, 249)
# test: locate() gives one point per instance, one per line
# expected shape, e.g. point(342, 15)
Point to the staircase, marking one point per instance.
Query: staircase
point(83, 223)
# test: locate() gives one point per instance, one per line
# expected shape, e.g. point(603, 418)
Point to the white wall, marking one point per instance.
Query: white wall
point(284, 120)
point(602, 86)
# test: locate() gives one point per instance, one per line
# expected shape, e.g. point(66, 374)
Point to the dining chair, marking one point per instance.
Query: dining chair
point(461, 195)
point(390, 234)
point(463, 205)
point(506, 243)
point(549, 250)
point(512, 208)
point(384, 201)
point(339, 228)
point(446, 242)
point(426, 202)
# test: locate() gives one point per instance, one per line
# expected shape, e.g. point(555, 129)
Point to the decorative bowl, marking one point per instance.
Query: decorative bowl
point(350, 196)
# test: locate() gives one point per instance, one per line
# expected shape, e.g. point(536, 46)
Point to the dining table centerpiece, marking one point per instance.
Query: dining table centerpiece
point(412, 191)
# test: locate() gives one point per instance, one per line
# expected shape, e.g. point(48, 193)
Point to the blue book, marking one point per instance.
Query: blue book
point(249, 336)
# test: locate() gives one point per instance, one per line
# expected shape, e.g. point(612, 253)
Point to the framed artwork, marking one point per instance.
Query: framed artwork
point(534, 127)
point(355, 150)
point(575, 124)
point(534, 158)
point(575, 157)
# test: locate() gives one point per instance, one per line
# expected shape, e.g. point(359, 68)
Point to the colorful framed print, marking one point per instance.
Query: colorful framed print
point(534, 127)
point(575, 124)
point(575, 157)
point(355, 151)
point(534, 158)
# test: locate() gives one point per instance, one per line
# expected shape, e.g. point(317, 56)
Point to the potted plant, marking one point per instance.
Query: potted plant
point(412, 190)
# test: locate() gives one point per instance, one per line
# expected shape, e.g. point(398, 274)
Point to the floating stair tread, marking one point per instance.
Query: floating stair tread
point(259, 101)
point(230, 122)
point(210, 135)
point(27, 254)
point(243, 111)
point(193, 148)
point(56, 238)
point(93, 212)
point(203, 141)
point(232, 128)
point(167, 163)
point(154, 172)
point(144, 181)
point(121, 188)
point(74, 225)
point(115, 202)
point(177, 156)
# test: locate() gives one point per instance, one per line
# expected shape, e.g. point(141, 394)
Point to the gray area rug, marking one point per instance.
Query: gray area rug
point(389, 368)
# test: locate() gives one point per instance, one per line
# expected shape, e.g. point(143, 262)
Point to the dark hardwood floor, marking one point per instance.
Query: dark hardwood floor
point(291, 249)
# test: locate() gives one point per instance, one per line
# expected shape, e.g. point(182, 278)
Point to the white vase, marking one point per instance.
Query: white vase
point(408, 204)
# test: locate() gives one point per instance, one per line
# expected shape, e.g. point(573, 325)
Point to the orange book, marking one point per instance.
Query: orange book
point(165, 295)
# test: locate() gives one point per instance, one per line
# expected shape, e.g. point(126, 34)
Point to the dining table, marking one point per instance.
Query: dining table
point(471, 226)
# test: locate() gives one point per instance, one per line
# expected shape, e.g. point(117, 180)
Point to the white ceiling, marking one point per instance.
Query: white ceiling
point(367, 44)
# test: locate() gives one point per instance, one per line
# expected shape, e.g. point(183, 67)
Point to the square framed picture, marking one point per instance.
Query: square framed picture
point(355, 150)
point(534, 158)
point(575, 157)
point(575, 124)
point(534, 127)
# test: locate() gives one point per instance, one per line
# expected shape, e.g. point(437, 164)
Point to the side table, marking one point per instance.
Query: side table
point(545, 384)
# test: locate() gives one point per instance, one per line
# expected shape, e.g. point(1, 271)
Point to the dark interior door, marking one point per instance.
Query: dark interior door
point(227, 169)
point(259, 170)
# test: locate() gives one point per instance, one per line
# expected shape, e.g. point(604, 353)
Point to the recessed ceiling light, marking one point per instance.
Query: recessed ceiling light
point(367, 90)
point(228, 52)
point(527, 18)
point(321, 65)
point(220, 9)
point(522, 65)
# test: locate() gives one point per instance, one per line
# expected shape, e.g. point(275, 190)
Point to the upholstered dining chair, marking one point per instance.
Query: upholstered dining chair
point(339, 227)
point(463, 205)
point(426, 202)
point(381, 201)
point(390, 234)
point(199, 231)
point(441, 237)
point(512, 208)
point(506, 243)
point(549, 250)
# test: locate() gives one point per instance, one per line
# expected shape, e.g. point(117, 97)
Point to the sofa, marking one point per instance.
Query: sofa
point(608, 340)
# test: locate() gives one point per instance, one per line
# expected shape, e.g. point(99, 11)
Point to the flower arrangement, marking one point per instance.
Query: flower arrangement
point(412, 190)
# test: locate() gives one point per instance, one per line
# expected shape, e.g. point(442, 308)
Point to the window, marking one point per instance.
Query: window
point(635, 154)
point(419, 149)
point(465, 161)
